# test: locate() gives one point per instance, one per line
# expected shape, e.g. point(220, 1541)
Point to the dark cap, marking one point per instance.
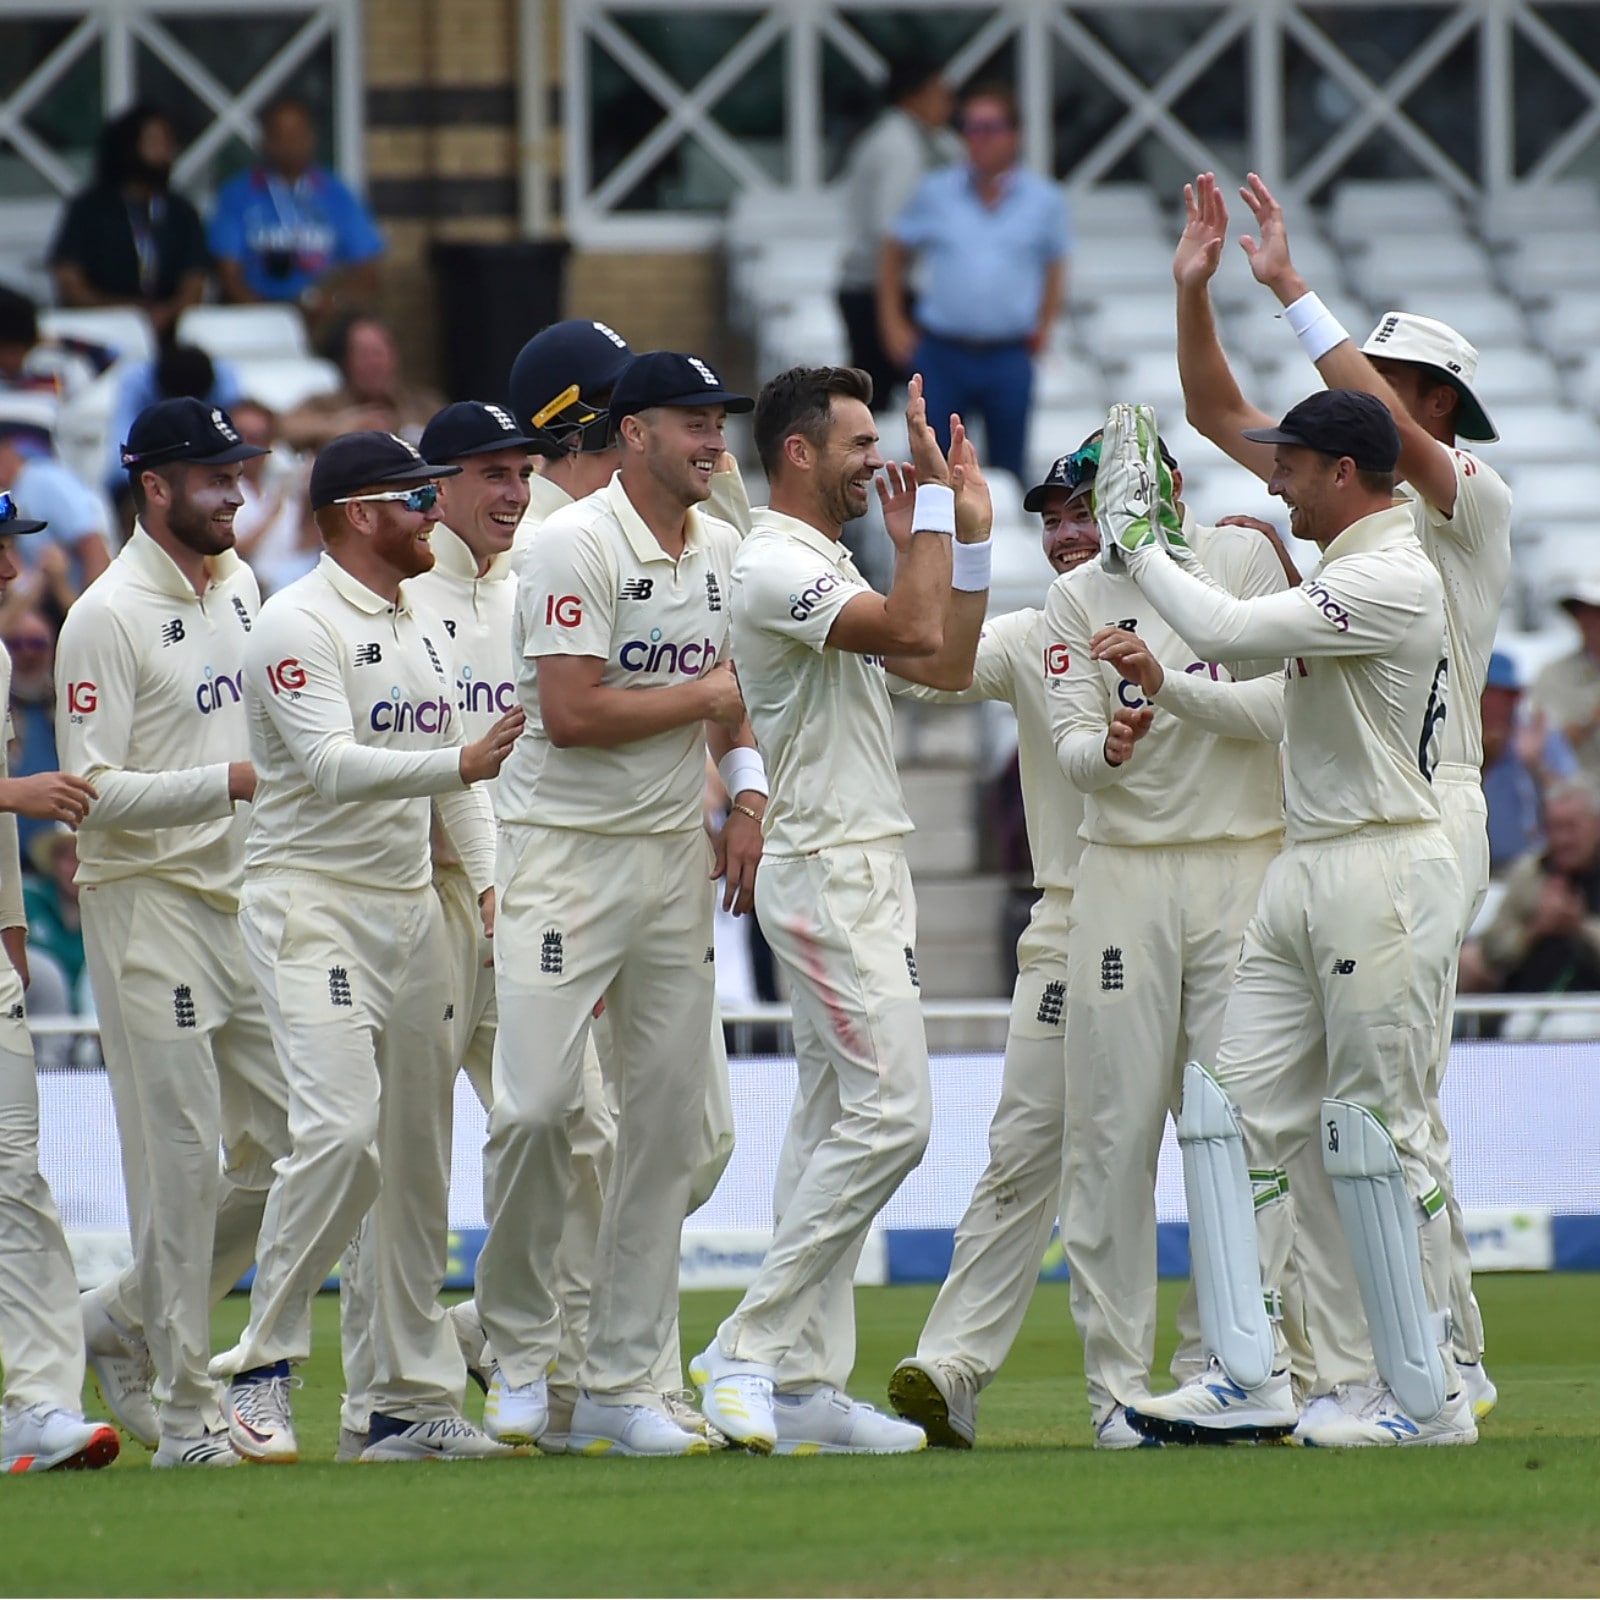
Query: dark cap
point(356, 461)
point(667, 378)
point(560, 383)
point(1339, 422)
point(184, 430)
point(12, 521)
point(1076, 471)
point(470, 428)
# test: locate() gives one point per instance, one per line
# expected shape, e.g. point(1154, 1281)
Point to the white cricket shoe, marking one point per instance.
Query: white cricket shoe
point(602, 1429)
point(1115, 1432)
point(1482, 1395)
point(256, 1407)
point(439, 1439)
point(45, 1439)
point(553, 1441)
point(212, 1448)
point(120, 1361)
point(1378, 1420)
point(1342, 1400)
point(351, 1444)
point(474, 1343)
point(736, 1398)
point(940, 1398)
point(1212, 1409)
point(827, 1422)
point(682, 1408)
point(516, 1413)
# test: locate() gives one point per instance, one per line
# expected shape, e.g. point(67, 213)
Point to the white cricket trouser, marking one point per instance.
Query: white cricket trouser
point(1338, 993)
point(41, 1331)
point(843, 922)
point(190, 1060)
point(356, 983)
point(1154, 944)
point(1002, 1237)
point(583, 916)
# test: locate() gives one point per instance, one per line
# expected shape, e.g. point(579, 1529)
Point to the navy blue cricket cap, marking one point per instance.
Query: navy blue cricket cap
point(560, 383)
point(356, 461)
point(184, 430)
point(1339, 422)
point(470, 428)
point(668, 378)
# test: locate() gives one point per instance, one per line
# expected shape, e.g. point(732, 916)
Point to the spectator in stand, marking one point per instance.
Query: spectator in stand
point(1567, 691)
point(179, 372)
point(290, 230)
point(274, 529)
point(1522, 756)
point(993, 242)
point(32, 643)
point(128, 239)
point(909, 138)
point(56, 367)
point(374, 393)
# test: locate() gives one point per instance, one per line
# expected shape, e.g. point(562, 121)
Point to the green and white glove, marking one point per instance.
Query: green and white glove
point(1134, 503)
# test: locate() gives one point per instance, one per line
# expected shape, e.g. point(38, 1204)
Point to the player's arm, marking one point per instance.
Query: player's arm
point(1212, 398)
point(13, 914)
point(1251, 710)
point(468, 819)
point(737, 846)
point(1274, 540)
point(1002, 654)
point(1093, 737)
point(729, 499)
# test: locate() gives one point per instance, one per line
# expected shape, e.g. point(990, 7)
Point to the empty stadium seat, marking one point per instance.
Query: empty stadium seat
point(1516, 377)
point(1569, 325)
point(120, 328)
point(1066, 377)
point(1559, 491)
point(1149, 377)
point(1118, 210)
point(237, 333)
point(1397, 267)
point(1130, 322)
point(1366, 206)
point(1539, 268)
point(1540, 433)
point(1487, 318)
point(1102, 269)
point(282, 384)
point(1548, 208)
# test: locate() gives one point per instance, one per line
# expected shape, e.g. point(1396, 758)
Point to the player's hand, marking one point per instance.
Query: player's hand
point(736, 852)
point(1204, 234)
point(241, 781)
point(926, 455)
point(1269, 256)
point(974, 508)
point(1131, 656)
point(486, 915)
point(899, 341)
point(1126, 730)
point(48, 797)
point(724, 703)
point(484, 757)
point(897, 495)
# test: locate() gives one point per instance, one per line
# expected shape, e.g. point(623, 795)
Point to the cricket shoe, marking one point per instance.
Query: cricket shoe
point(1378, 1420)
point(603, 1429)
point(736, 1398)
point(120, 1361)
point(516, 1413)
point(940, 1398)
point(1482, 1395)
point(474, 1342)
point(45, 1439)
point(553, 1441)
point(213, 1448)
point(351, 1444)
point(439, 1439)
point(1212, 1409)
point(827, 1422)
point(256, 1408)
point(683, 1410)
point(1342, 1400)
point(1115, 1432)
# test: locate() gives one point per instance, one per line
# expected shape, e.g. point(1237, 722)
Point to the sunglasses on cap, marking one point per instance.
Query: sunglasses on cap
point(423, 498)
point(1081, 465)
point(9, 511)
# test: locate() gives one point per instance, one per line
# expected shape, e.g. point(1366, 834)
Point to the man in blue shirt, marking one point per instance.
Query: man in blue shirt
point(1521, 759)
point(993, 243)
point(289, 230)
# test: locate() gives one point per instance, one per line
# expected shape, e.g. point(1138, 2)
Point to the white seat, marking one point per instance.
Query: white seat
point(121, 328)
point(1540, 433)
point(1560, 491)
point(1257, 335)
point(1486, 318)
point(1516, 377)
point(282, 383)
point(1539, 269)
point(1395, 269)
point(1064, 377)
point(1569, 325)
point(1363, 206)
point(1149, 377)
point(1121, 327)
point(236, 333)
point(760, 215)
point(1231, 490)
point(1571, 204)
point(1117, 209)
point(1585, 381)
point(1555, 563)
point(1101, 270)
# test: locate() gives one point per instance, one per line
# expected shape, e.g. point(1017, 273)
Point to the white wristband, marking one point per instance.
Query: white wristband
point(969, 566)
point(742, 768)
point(935, 510)
point(1315, 326)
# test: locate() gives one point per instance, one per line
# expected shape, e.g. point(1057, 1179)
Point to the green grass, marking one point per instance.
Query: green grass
point(1032, 1511)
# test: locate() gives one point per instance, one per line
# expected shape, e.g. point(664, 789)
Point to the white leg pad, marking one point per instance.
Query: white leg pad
point(1222, 1232)
point(1380, 1221)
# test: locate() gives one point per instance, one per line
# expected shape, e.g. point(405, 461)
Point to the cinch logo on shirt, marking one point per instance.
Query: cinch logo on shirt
point(565, 611)
point(803, 604)
point(1332, 609)
point(656, 654)
point(1056, 660)
point(218, 690)
point(82, 698)
point(1131, 694)
point(479, 694)
point(410, 716)
point(286, 676)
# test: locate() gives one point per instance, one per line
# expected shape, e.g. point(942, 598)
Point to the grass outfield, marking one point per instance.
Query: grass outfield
point(1033, 1511)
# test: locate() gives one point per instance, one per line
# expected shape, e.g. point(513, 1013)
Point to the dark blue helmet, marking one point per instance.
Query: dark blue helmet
point(561, 382)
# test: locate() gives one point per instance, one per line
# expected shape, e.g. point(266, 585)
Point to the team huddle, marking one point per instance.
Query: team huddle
point(437, 806)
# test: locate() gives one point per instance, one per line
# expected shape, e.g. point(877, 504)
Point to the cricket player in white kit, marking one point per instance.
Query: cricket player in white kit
point(42, 1426)
point(354, 729)
point(1423, 371)
point(1330, 1028)
point(812, 642)
point(150, 711)
point(603, 876)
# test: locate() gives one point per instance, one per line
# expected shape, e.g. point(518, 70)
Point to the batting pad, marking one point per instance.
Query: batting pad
point(1380, 1221)
point(1222, 1232)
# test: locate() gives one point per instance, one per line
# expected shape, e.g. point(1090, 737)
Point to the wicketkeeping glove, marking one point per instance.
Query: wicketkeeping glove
point(1134, 503)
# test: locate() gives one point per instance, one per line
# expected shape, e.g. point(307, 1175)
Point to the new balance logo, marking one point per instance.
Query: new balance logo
point(17, 1013)
point(433, 655)
point(183, 1006)
point(339, 986)
point(713, 593)
point(1343, 969)
point(241, 613)
point(450, 1013)
point(368, 655)
point(550, 954)
point(1051, 1002)
point(911, 967)
point(172, 632)
point(1400, 1427)
point(711, 956)
point(1110, 968)
point(638, 589)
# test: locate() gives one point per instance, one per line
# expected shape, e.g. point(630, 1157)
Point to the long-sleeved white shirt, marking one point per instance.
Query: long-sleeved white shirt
point(12, 914)
point(353, 727)
point(1365, 675)
point(149, 710)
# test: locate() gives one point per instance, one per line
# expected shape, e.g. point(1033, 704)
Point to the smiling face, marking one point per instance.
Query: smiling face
point(1070, 534)
point(681, 446)
point(846, 461)
point(485, 503)
point(196, 504)
point(399, 538)
point(1306, 481)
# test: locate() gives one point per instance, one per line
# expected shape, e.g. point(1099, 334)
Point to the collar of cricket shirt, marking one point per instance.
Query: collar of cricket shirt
point(643, 543)
point(802, 533)
point(357, 593)
point(455, 560)
point(1381, 530)
point(161, 572)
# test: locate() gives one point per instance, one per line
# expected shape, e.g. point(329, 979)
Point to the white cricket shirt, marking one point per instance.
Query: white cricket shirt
point(12, 914)
point(1365, 675)
point(595, 582)
point(149, 709)
point(822, 717)
point(353, 727)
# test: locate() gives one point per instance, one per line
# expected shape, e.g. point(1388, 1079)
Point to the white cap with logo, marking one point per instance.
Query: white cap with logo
point(1404, 336)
